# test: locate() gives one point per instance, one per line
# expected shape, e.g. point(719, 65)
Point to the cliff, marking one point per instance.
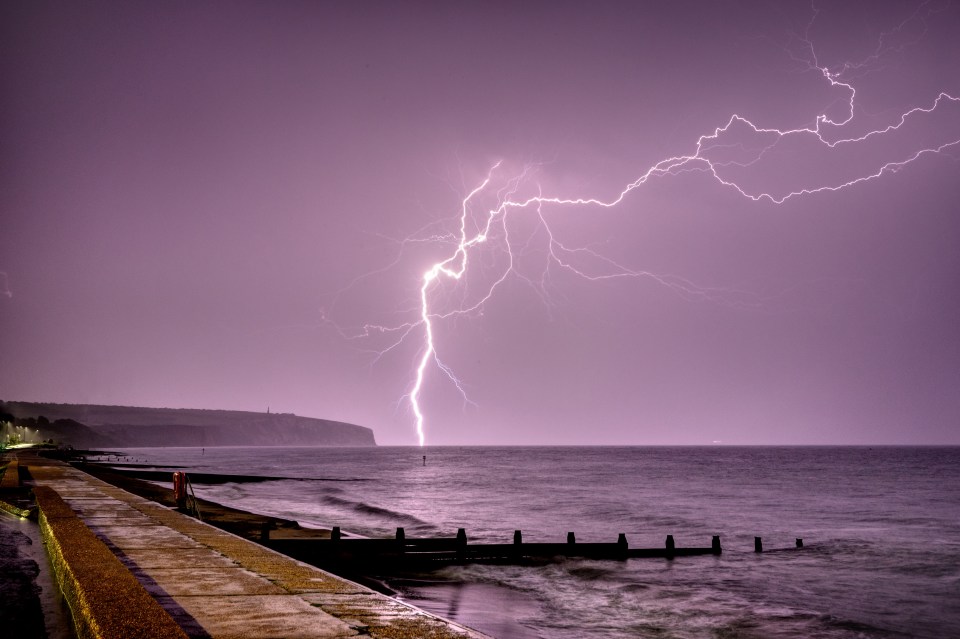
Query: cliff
point(94, 425)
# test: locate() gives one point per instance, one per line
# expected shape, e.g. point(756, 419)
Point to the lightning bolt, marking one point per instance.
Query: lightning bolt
point(710, 156)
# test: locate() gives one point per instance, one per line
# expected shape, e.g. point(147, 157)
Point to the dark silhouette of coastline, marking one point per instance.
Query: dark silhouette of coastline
point(99, 426)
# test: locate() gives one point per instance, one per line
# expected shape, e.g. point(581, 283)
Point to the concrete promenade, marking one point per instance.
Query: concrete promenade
point(210, 583)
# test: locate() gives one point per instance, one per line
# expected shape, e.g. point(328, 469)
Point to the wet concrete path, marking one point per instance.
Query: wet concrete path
point(215, 584)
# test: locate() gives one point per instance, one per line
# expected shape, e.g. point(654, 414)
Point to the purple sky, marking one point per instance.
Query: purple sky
point(191, 192)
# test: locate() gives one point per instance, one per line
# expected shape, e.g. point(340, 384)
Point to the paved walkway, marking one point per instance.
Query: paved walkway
point(217, 585)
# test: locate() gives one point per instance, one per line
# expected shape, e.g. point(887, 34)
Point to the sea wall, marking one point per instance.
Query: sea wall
point(105, 599)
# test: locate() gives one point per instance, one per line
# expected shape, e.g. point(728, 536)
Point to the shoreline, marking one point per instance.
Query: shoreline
point(243, 523)
point(476, 605)
point(110, 547)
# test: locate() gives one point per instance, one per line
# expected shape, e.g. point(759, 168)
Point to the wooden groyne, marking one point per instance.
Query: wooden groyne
point(356, 556)
point(403, 551)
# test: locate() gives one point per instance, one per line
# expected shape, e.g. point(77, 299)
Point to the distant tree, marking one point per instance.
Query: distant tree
point(42, 421)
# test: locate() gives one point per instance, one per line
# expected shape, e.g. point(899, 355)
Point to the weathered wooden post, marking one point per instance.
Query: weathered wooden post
point(461, 542)
point(799, 543)
point(622, 547)
point(671, 546)
point(757, 544)
point(336, 549)
point(715, 545)
point(517, 537)
point(571, 538)
point(401, 536)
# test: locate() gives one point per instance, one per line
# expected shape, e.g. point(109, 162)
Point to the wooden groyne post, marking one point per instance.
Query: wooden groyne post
point(758, 546)
point(461, 543)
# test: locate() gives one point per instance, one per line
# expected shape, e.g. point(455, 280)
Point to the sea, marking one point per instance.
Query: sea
point(880, 529)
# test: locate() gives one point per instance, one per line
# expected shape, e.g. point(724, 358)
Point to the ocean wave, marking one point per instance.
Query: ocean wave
point(376, 511)
point(589, 573)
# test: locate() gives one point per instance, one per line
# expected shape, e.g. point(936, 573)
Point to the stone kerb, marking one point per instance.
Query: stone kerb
point(105, 599)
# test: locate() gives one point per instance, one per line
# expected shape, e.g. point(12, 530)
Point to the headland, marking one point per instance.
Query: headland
point(100, 426)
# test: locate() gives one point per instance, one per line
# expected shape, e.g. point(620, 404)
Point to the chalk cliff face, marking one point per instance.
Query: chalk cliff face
point(135, 426)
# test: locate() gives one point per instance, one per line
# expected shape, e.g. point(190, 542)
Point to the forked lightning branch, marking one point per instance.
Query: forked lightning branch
point(710, 156)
